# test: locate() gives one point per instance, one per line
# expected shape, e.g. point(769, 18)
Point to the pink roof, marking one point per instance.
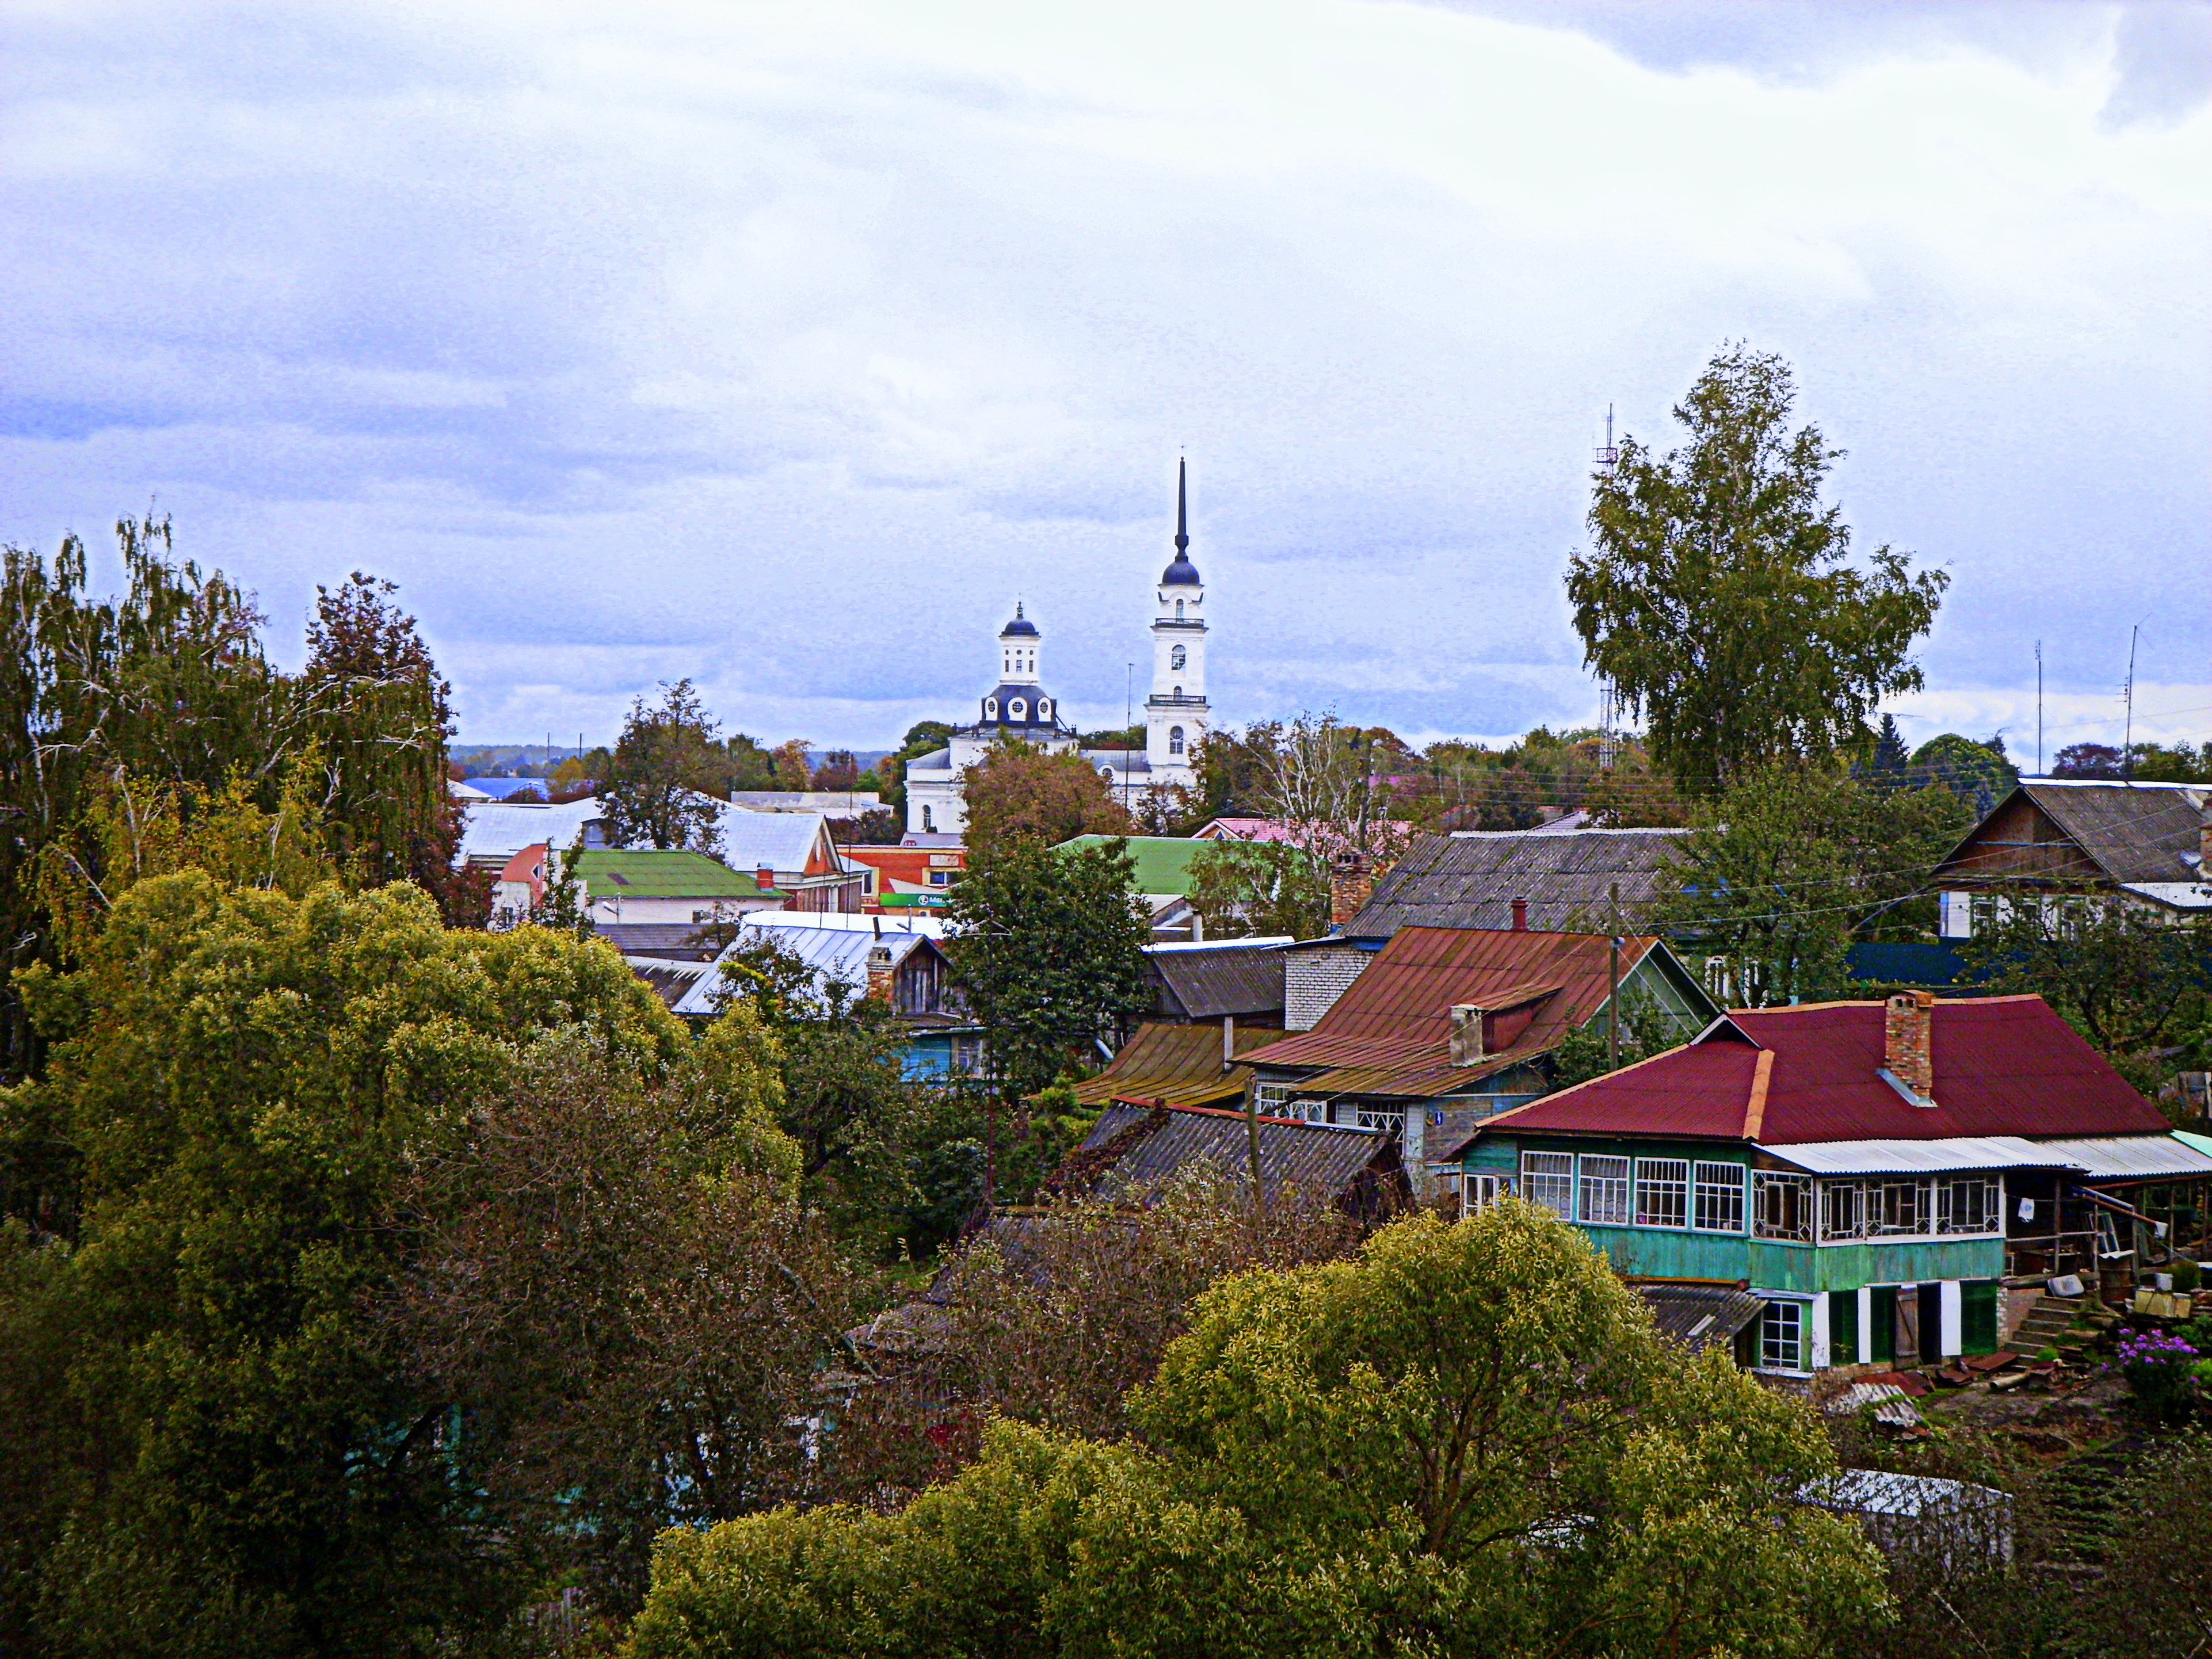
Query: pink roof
point(2004, 1066)
point(522, 866)
point(1242, 829)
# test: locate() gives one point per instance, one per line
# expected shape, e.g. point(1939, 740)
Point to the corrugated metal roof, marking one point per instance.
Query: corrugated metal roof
point(1470, 879)
point(1154, 1146)
point(495, 828)
point(646, 872)
point(1390, 1032)
point(2108, 1157)
point(2176, 895)
point(1208, 981)
point(1163, 861)
point(671, 940)
point(834, 953)
point(1919, 1156)
point(2002, 1066)
point(1180, 1065)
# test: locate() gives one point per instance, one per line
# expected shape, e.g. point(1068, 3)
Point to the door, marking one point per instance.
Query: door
point(1843, 1328)
point(1978, 1316)
point(1881, 1323)
point(1907, 1346)
point(1931, 1323)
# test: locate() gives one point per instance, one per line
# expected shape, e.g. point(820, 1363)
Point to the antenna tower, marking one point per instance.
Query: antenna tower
point(1608, 705)
point(2127, 742)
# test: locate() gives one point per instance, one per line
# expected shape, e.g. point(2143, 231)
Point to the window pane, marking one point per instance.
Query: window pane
point(1782, 1337)
point(1782, 1206)
point(1548, 1178)
point(1662, 1192)
point(1720, 1198)
point(1605, 1191)
point(1843, 1210)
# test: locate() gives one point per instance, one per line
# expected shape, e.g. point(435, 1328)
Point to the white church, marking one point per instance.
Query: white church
point(1019, 707)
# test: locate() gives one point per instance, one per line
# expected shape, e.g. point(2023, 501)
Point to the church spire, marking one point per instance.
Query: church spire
point(1182, 516)
point(1181, 572)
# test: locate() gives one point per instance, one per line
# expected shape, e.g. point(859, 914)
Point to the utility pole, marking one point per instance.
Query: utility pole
point(2127, 742)
point(1613, 992)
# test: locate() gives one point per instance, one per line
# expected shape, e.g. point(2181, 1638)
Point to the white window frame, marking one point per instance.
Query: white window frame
point(1271, 1099)
point(1764, 1182)
point(1772, 1353)
point(1550, 1181)
point(1662, 1176)
point(1605, 1192)
point(1481, 1189)
point(1723, 1185)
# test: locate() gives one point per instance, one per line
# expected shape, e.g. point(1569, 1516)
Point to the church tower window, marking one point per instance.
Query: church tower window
point(1177, 658)
point(1017, 708)
point(1178, 609)
point(1175, 739)
point(990, 708)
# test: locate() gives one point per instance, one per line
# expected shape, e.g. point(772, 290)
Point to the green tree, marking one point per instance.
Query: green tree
point(241, 1460)
point(1468, 1440)
point(1259, 887)
point(1717, 601)
point(1047, 946)
point(1978, 774)
point(665, 761)
point(1792, 863)
point(1017, 791)
point(924, 737)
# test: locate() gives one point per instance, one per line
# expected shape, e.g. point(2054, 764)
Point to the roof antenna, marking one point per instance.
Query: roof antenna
point(1608, 457)
point(2039, 708)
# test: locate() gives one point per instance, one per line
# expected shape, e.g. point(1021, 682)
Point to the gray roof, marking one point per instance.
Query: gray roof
point(1471, 877)
point(1133, 1150)
point(1700, 1315)
point(2134, 832)
point(1207, 981)
point(671, 940)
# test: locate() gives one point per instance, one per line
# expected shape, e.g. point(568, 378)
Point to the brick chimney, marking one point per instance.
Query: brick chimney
point(1908, 1043)
point(879, 973)
point(765, 877)
point(1350, 884)
point(1467, 1047)
point(1520, 915)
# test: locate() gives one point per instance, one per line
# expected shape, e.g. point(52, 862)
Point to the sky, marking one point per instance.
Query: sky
point(784, 348)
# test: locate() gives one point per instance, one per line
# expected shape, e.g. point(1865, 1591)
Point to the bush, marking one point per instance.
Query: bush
point(2159, 1370)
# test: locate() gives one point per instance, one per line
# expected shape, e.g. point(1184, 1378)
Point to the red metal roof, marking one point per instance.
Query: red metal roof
point(2004, 1066)
point(1391, 1031)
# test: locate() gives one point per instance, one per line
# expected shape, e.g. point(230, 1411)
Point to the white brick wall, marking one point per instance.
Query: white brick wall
point(1314, 979)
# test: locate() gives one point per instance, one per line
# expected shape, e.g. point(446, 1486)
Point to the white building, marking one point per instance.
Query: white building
point(1018, 705)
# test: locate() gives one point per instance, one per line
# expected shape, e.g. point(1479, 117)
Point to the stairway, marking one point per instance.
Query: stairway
point(2046, 1321)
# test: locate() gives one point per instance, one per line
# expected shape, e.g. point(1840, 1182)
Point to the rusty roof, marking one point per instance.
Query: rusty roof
point(1175, 1065)
point(1470, 879)
point(2002, 1066)
point(1132, 1150)
point(1390, 1032)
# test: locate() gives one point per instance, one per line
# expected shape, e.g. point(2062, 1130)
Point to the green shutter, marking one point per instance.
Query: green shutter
point(1978, 1315)
point(1881, 1314)
point(1843, 1328)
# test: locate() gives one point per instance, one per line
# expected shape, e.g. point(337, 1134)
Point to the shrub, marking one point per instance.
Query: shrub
point(2159, 1367)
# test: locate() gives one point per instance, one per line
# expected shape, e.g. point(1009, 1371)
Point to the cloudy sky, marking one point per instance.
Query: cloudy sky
point(784, 346)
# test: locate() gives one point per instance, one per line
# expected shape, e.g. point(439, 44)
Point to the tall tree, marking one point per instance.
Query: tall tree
point(1047, 947)
point(1018, 793)
point(664, 762)
point(1241, 888)
point(1717, 600)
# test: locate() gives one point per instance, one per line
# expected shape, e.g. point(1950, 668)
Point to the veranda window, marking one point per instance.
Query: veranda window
point(1720, 1198)
point(1973, 1206)
point(1605, 1191)
point(1662, 1192)
point(1548, 1178)
point(1782, 1206)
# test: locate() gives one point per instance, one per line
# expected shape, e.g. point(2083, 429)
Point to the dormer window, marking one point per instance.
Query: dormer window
point(1016, 709)
point(990, 708)
point(1044, 708)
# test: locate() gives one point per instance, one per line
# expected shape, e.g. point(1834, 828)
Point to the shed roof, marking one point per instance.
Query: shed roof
point(2002, 1066)
point(1920, 1156)
point(1177, 1065)
point(1163, 861)
point(1390, 1032)
point(1132, 1150)
point(1207, 981)
point(1700, 1315)
point(1470, 879)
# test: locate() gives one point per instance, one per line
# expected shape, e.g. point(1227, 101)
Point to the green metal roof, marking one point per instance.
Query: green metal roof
point(1163, 861)
point(644, 873)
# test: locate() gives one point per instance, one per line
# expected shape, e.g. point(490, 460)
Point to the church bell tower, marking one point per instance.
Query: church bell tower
point(1176, 713)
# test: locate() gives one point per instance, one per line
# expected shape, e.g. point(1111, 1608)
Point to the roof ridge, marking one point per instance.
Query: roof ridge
point(1754, 1110)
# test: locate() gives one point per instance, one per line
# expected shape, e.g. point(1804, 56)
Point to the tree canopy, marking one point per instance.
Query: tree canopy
point(1017, 791)
point(1718, 601)
point(1467, 1440)
point(655, 790)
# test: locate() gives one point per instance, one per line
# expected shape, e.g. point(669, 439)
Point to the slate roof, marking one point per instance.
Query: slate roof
point(2133, 833)
point(1178, 1064)
point(1700, 1315)
point(1132, 1150)
point(1469, 878)
point(1390, 1032)
point(2002, 1066)
point(1206, 982)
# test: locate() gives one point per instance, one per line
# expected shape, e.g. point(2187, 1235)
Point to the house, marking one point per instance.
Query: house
point(1242, 829)
point(1890, 1180)
point(2060, 842)
point(1161, 878)
point(1138, 1147)
point(1452, 1025)
point(901, 964)
point(520, 889)
point(1177, 1065)
point(1545, 879)
point(916, 873)
point(634, 884)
